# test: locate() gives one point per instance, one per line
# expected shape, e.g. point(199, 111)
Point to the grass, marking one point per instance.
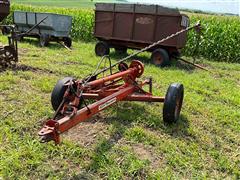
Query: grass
point(128, 140)
point(64, 3)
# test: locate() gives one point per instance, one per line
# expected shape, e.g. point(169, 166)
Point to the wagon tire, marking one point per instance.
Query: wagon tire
point(44, 40)
point(6, 30)
point(173, 103)
point(102, 48)
point(120, 50)
point(160, 57)
point(67, 42)
point(58, 92)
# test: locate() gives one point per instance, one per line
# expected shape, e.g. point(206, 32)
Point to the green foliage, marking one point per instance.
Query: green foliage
point(220, 38)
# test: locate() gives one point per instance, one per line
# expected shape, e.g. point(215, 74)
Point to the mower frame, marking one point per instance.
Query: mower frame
point(107, 91)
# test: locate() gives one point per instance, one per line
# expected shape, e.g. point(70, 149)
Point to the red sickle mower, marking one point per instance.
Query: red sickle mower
point(69, 95)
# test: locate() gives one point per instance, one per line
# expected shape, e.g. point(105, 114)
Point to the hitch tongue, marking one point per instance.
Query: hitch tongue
point(50, 132)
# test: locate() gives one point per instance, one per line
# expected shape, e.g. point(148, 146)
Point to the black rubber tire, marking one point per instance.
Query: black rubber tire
point(120, 50)
point(102, 48)
point(173, 103)
point(44, 40)
point(160, 57)
point(122, 66)
point(67, 42)
point(58, 92)
point(6, 30)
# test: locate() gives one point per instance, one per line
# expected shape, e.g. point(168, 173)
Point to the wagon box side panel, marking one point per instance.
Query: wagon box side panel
point(123, 25)
point(21, 20)
point(138, 24)
point(55, 25)
point(61, 25)
point(184, 22)
point(144, 25)
point(47, 24)
point(103, 24)
point(167, 25)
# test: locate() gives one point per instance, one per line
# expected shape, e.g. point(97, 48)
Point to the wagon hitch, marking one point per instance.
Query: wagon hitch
point(69, 95)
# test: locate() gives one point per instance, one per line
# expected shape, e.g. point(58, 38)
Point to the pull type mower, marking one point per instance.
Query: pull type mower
point(69, 95)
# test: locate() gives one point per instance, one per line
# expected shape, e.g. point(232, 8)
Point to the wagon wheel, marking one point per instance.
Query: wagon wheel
point(139, 65)
point(67, 42)
point(122, 66)
point(173, 103)
point(102, 48)
point(160, 57)
point(44, 40)
point(121, 50)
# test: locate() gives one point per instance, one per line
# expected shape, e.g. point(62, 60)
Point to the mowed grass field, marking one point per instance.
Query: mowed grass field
point(129, 140)
point(65, 3)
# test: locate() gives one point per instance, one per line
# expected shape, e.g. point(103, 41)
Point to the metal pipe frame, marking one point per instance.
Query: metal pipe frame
point(105, 96)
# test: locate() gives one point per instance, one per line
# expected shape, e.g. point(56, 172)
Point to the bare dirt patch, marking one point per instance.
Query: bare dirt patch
point(88, 133)
point(144, 152)
point(22, 51)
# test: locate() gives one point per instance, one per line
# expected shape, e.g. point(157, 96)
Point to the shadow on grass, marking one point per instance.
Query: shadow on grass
point(179, 129)
point(126, 115)
point(141, 57)
point(22, 67)
point(145, 58)
point(183, 66)
point(35, 42)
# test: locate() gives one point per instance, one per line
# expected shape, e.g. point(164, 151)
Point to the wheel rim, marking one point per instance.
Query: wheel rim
point(178, 106)
point(177, 109)
point(158, 60)
point(101, 50)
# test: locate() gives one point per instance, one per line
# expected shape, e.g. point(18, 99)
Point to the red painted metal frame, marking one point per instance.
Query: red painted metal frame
point(106, 91)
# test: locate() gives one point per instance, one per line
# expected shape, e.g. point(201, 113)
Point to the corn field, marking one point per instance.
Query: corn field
point(219, 41)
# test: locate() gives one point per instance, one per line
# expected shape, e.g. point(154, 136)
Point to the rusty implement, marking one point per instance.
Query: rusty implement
point(8, 53)
point(69, 98)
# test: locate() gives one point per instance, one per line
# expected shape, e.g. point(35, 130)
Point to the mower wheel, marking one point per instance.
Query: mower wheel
point(173, 103)
point(102, 48)
point(58, 92)
point(160, 58)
